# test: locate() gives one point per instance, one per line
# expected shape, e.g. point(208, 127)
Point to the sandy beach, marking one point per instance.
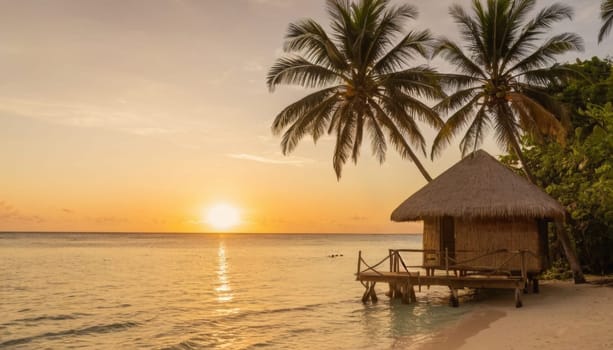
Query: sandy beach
point(562, 316)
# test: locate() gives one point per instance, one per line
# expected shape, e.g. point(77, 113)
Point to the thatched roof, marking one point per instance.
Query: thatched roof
point(478, 187)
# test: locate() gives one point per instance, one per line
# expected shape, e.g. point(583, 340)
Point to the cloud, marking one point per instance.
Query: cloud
point(8, 213)
point(295, 161)
point(108, 220)
point(277, 3)
point(88, 116)
point(146, 131)
point(253, 66)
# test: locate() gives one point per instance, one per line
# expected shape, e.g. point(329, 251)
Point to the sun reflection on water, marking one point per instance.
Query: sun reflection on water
point(223, 289)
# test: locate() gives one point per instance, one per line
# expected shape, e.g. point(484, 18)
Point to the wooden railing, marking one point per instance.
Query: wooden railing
point(397, 263)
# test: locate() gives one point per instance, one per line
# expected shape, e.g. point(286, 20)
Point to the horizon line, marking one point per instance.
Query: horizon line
point(212, 233)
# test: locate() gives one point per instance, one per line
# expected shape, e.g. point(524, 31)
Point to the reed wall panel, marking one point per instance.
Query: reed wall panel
point(432, 240)
point(492, 234)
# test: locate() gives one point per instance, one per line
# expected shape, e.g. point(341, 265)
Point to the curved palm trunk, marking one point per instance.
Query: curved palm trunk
point(560, 230)
point(415, 160)
point(421, 168)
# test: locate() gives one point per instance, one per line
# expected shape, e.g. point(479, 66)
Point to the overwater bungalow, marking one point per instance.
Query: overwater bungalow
point(484, 227)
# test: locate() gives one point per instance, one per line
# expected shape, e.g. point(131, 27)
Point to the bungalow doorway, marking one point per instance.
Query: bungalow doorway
point(448, 236)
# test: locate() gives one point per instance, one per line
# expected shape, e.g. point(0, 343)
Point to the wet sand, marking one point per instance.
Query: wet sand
point(562, 316)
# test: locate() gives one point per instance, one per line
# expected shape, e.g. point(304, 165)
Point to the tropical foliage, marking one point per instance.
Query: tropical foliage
point(606, 14)
point(580, 174)
point(505, 66)
point(363, 84)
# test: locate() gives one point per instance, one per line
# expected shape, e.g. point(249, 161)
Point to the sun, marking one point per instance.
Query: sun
point(222, 216)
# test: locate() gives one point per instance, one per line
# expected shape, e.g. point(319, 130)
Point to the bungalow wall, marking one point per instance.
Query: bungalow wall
point(432, 241)
point(483, 235)
point(493, 234)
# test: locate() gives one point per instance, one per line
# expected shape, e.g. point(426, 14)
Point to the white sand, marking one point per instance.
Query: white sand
point(562, 316)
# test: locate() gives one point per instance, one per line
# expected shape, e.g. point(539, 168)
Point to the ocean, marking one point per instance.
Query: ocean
point(205, 291)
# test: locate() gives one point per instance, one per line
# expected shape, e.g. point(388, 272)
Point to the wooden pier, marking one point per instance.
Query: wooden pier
point(454, 274)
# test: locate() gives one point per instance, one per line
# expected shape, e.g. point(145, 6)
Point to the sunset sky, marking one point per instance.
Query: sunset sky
point(139, 115)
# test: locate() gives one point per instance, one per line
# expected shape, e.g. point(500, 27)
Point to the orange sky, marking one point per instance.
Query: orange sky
point(138, 115)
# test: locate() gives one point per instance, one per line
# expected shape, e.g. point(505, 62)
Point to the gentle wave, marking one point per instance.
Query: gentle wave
point(98, 329)
point(72, 316)
point(184, 345)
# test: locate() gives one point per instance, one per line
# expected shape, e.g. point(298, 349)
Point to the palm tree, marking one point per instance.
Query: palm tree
point(504, 72)
point(359, 70)
point(606, 14)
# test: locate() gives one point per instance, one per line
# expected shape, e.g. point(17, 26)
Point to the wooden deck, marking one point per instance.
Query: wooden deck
point(402, 281)
point(499, 282)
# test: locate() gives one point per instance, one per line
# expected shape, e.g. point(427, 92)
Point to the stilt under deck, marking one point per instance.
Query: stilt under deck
point(402, 282)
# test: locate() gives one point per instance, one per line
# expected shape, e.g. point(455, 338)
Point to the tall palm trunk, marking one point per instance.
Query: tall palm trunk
point(569, 251)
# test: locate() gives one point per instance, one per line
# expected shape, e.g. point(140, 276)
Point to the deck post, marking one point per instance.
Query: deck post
point(396, 262)
point(366, 293)
point(408, 293)
point(447, 261)
point(524, 273)
point(535, 285)
point(453, 298)
point(518, 302)
point(392, 285)
point(373, 294)
point(359, 264)
point(370, 293)
point(405, 293)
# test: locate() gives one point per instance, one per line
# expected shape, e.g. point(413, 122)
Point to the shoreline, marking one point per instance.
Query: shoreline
point(562, 316)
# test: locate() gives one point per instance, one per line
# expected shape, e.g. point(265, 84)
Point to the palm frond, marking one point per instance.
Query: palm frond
point(340, 14)
point(475, 133)
point(606, 14)
point(377, 137)
point(396, 136)
point(397, 114)
point(420, 82)
point(415, 107)
point(470, 29)
point(359, 135)
point(550, 76)
point(457, 81)
point(456, 122)
point(323, 115)
point(312, 121)
point(534, 118)
point(453, 53)
point(413, 43)
point(542, 96)
point(546, 53)
point(301, 107)
point(457, 99)
point(344, 141)
point(309, 37)
point(389, 25)
point(506, 129)
point(534, 29)
point(299, 71)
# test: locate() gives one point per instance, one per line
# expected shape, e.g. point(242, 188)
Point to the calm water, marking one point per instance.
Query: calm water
point(171, 291)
